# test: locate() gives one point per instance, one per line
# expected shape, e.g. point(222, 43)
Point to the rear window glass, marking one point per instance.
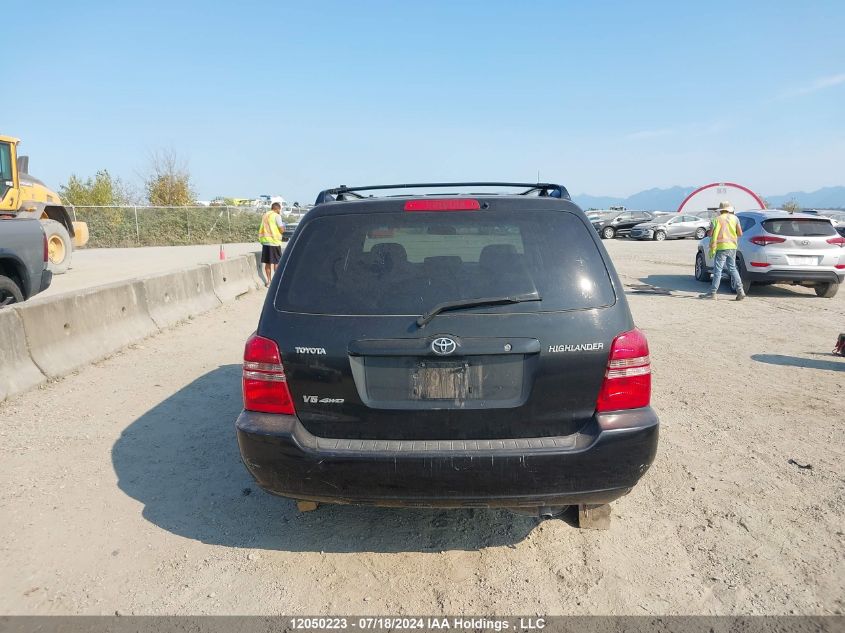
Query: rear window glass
point(406, 263)
point(799, 227)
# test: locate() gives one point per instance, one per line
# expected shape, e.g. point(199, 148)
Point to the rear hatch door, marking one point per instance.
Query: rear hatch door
point(805, 242)
point(361, 366)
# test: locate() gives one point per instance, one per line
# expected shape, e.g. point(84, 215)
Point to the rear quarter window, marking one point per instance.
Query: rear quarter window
point(746, 223)
point(799, 227)
point(406, 263)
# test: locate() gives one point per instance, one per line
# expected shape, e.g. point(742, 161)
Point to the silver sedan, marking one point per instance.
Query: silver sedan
point(675, 226)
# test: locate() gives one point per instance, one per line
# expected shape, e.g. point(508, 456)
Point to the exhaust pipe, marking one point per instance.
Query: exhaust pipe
point(540, 512)
point(550, 512)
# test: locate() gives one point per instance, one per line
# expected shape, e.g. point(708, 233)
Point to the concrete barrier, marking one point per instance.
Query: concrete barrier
point(175, 296)
point(233, 277)
point(17, 371)
point(257, 267)
point(51, 337)
point(69, 331)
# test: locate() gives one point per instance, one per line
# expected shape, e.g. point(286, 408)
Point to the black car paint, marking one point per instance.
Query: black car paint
point(623, 227)
point(560, 402)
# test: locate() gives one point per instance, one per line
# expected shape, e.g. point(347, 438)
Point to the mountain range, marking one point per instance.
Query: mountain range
point(671, 198)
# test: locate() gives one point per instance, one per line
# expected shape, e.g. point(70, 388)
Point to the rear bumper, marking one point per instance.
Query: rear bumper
point(795, 276)
point(597, 465)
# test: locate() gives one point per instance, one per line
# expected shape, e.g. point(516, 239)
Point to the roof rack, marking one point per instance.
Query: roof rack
point(542, 189)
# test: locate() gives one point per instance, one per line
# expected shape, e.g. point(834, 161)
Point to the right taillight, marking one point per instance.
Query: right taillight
point(46, 248)
point(265, 386)
point(627, 379)
point(838, 241)
point(765, 240)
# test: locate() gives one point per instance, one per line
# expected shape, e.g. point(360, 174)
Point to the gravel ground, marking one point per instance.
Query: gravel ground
point(121, 488)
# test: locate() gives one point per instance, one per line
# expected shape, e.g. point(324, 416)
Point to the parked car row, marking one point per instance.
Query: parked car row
point(649, 225)
point(620, 224)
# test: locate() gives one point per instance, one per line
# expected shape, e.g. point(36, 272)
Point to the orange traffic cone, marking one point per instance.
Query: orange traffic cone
point(222, 255)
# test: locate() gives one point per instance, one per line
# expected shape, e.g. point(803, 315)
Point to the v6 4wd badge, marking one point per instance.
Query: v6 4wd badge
point(319, 400)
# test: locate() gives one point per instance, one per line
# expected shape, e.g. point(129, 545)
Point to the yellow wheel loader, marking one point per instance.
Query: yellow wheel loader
point(22, 196)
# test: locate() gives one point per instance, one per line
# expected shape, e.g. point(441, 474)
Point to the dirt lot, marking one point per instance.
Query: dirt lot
point(121, 488)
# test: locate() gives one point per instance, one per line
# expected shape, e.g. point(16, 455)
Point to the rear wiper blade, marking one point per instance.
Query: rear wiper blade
point(460, 304)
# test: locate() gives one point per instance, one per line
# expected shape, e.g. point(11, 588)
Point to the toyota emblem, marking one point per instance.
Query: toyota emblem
point(443, 346)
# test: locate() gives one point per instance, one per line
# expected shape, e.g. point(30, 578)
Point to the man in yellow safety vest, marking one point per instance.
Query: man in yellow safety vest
point(725, 231)
point(270, 236)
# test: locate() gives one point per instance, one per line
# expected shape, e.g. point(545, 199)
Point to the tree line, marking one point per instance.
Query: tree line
point(166, 183)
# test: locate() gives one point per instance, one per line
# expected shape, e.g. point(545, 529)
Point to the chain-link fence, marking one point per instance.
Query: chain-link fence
point(171, 226)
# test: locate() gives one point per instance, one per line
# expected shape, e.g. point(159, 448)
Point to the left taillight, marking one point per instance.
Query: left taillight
point(627, 378)
point(265, 385)
point(765, 240)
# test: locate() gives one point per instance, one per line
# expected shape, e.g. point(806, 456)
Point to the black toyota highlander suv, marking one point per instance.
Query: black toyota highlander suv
point(468, 350)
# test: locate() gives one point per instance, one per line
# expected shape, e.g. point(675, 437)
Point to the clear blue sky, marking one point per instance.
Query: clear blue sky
point(290, 97)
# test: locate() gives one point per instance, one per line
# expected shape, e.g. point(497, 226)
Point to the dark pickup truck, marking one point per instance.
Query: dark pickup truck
point(23, 260)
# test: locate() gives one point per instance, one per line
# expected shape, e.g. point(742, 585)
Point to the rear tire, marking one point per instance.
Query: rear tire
point(608, 233)
point(700, 233)
point(10, 292)
point(659, 236)
point(827, 290)
point(746, 286)
point(59, 246)
point(701, 273)
point(743, 273)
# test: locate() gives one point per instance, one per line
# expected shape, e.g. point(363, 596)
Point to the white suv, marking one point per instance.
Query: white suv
point(779, 247)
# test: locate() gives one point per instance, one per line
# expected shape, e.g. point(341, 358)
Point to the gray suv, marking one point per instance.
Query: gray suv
point(778, 247)
point(670, 227)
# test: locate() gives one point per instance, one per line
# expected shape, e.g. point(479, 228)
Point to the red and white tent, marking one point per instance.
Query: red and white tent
point(709, 197)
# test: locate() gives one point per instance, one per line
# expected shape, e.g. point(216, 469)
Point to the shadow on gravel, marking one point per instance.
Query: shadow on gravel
point(259, 268)
point(181, 461)
point(797, 361)
point(684, 283)
point(688, 283)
